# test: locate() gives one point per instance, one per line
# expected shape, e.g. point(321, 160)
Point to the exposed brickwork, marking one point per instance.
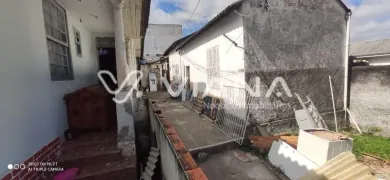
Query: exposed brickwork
point(170, 131)
point(196, 174)
point(177, 143)
point(166, 123)
point(186, 160)
point(47, 153)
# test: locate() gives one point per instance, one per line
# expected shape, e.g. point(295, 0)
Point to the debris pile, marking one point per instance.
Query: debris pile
point(264, 143)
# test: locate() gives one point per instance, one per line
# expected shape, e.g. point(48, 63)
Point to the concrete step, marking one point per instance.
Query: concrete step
point(124, 169)
point(89, 140)
point(90, 155)
point(73, 148)
point(197, 108)
point(197, 103)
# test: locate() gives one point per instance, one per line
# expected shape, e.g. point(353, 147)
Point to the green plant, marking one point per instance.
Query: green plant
point(371, 144)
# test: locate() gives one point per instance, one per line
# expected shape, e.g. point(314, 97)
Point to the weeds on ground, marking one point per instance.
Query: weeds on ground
point(370, 143)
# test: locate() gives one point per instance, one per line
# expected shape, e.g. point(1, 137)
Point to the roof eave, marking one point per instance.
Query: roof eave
point(371, 55)
point(344, 6)
point(211, 22)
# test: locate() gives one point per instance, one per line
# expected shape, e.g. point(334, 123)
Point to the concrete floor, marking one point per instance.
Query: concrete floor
point(198, 133)
point(225, 165)
point(195, 131)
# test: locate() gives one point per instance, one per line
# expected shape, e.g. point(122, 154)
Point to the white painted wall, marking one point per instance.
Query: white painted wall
point(159, 37)
point(31, 106)
point(379, 61)
point(194, 54)
point(174, 60)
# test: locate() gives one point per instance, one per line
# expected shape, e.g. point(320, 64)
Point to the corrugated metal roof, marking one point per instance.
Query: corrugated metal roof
point(370, 48)
point(344, 166)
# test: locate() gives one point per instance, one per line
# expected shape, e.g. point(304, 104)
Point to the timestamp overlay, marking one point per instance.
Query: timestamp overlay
point(37, 167)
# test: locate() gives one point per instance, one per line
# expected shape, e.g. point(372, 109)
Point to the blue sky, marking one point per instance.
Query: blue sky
point(370, 19)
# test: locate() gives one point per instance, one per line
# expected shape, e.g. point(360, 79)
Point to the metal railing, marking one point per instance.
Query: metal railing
point(231, 115)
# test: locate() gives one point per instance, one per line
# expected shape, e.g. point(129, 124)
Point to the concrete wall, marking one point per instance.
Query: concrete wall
point(231, 58)
point(370, 96)
point(171, 168)
point(300, 41)
point(32, 109)
point(159, 37)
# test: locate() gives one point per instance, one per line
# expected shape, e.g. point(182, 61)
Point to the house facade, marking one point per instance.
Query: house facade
point(299, 43)
point(212, 56)
point(48, 49)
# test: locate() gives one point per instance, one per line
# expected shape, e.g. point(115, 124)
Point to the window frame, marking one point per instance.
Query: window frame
point(53, 43)
point(213, 67)
point(75, 32)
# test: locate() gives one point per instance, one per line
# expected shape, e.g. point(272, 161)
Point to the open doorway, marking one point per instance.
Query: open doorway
point(187, 78)
point(107, 62)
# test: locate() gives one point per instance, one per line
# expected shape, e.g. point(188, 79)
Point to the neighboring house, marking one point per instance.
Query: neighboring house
point(376, 53)
point(48, 48)
point(213, 55)
point(370, 84)
point(302, 42)
point(157, 39)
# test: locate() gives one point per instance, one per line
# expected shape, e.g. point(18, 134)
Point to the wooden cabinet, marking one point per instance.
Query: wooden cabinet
point(91, 108)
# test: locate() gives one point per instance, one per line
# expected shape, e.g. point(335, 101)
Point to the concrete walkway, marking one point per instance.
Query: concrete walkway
point(227, 166)
point(199, 135)
point(195, 130)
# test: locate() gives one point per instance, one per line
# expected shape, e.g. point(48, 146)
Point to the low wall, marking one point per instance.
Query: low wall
point(370, 97)
point(176, 162)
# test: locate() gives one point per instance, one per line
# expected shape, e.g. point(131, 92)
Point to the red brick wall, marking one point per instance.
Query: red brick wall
point(48, 153)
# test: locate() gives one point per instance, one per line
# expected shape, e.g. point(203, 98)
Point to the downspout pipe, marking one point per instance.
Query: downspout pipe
point(346, 63)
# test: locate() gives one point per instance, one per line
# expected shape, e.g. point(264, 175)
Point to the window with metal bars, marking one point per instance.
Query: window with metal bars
point(57, 41)
point(213, 68)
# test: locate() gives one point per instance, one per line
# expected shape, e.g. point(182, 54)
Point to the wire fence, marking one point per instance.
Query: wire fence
point(231, 116)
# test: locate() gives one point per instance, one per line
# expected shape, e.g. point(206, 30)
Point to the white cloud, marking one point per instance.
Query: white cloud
point(370, 21)
point(206, 10)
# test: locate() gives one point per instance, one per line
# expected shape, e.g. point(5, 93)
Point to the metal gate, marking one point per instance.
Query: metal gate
point(231, 115)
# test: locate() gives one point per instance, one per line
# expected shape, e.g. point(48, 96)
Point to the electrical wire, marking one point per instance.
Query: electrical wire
point(189, 20)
